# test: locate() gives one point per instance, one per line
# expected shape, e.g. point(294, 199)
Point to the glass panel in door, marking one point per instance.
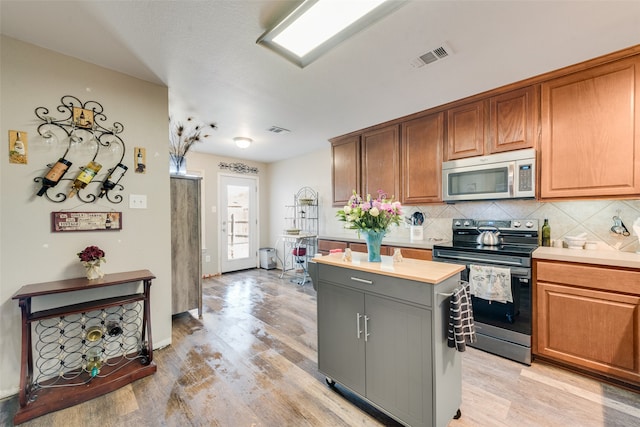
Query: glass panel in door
point(238, 216)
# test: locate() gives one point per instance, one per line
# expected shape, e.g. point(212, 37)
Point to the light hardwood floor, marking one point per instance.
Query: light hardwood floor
point(251, 361)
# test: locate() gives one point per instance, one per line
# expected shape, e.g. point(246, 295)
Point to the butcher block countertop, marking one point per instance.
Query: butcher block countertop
point(411, 269)
point(596, 257)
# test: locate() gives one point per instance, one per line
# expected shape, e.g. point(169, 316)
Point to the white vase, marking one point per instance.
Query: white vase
point(93, 270)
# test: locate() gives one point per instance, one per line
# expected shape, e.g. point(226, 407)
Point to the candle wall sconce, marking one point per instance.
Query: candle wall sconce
point(82, 125)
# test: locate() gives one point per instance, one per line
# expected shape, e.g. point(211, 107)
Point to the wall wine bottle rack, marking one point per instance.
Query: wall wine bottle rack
point(82, 123)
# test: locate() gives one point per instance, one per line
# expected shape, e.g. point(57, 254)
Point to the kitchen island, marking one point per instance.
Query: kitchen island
point(382, 333)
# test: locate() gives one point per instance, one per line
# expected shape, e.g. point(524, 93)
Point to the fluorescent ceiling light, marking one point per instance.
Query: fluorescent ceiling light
point(318, 25)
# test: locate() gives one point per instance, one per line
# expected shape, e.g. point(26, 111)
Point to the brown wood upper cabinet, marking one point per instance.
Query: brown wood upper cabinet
point(345, 168)
point(508, 123)
point(422, 142)
point(466, 128)
point(590, 143)
point(380, 161)
point(513, 120)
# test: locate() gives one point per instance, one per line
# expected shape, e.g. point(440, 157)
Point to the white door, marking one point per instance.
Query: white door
point(238, 223)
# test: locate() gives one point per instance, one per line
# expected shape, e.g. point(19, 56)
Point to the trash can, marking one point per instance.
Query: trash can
point(267, 258)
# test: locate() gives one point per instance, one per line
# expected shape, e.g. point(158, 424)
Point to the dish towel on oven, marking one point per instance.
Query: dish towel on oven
point(490, 283)
point(461, 325)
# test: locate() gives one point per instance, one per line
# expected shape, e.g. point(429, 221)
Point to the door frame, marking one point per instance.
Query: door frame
point(255, 241)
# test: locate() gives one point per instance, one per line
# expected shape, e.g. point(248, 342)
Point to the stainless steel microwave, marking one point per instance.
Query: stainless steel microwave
point(509, 175)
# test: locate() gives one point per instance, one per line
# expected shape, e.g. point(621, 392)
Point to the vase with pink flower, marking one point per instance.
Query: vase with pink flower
point(371, 217)
point(91, 257)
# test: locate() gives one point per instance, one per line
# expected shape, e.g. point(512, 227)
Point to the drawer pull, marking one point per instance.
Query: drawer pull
point(357, 279)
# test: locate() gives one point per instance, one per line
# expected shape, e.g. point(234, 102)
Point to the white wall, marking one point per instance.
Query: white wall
point(29, 252)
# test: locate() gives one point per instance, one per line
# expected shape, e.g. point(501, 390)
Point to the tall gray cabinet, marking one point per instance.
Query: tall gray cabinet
point(186, 245)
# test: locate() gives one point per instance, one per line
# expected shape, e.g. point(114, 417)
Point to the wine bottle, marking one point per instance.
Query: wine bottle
point(139, 161)
point(114, 177)
point(18, 146)
point(54, 175)
point(546, 233)
point(84, 177)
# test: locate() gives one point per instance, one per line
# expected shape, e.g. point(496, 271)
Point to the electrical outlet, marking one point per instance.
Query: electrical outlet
point(138, 201)
point(207, 258)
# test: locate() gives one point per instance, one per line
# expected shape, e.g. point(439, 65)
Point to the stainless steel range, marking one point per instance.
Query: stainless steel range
point(502, 328)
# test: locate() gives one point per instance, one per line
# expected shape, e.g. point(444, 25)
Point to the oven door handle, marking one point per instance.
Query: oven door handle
point(484, 261)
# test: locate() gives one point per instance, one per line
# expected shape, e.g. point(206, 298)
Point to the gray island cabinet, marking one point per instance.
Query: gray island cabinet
point(382, 333)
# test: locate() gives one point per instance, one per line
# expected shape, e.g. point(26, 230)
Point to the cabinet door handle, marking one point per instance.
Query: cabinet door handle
point(358, 316)
point(366, 328)
point(357, 279)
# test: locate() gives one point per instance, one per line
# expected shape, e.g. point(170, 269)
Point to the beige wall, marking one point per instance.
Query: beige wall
point(207, 166)
point(29, 252)
point(286, 178)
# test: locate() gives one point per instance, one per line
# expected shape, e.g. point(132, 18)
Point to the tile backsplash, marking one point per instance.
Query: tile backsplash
point(570, 218)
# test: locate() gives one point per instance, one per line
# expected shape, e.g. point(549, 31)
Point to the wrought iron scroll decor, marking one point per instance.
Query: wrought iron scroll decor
point(82, 124)
point(238, 167)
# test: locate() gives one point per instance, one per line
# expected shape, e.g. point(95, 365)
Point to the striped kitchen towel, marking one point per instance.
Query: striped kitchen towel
point(462, 328)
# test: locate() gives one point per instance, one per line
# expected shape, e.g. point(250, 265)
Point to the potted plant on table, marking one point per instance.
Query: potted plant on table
point(92, 257)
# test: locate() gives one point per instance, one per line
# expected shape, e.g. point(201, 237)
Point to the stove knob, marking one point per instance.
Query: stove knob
point(517, 224)
point(528, 224)
point(467, 223)
point(457, 223)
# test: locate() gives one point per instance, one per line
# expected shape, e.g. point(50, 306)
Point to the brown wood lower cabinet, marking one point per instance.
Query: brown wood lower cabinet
point(416, 253)
point(588, 317)
point(324, 246)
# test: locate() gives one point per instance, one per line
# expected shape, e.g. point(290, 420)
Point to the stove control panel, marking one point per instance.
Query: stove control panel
point(499, 224)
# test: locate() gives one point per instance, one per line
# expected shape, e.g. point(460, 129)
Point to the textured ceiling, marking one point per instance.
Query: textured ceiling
point(205, 53)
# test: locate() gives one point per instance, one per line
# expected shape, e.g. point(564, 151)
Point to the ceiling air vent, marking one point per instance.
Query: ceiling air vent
point(439, 53)
point(278, 129)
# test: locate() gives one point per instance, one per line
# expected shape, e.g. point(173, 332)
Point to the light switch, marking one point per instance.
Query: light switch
point(138, 201)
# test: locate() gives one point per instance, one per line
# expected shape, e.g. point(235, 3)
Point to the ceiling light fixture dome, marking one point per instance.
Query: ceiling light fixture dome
point(242, 142)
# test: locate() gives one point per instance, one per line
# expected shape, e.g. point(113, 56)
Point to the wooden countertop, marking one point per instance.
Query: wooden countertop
point(411, 269)
point(596, 257)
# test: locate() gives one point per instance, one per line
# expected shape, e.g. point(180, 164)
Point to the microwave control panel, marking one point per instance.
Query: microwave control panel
point(525, 177)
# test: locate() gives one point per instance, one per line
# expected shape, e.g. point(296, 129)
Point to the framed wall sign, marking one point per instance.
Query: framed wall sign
point(86, 221)
point(83, 118)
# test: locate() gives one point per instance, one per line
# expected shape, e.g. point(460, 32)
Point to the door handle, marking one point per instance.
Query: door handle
point(511, 173)
point(366, 328)
point(358, 316)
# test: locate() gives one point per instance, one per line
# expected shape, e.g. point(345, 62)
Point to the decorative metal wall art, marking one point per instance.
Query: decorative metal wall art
point(238, 167)
point(82, 124)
